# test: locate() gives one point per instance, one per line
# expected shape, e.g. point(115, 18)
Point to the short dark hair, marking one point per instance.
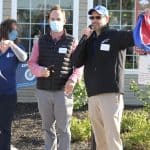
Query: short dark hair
point(57, 7)
point(6, 27)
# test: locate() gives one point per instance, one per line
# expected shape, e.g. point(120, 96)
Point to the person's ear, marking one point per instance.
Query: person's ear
point(65, 21)
point(48, 19)
point(107, 19)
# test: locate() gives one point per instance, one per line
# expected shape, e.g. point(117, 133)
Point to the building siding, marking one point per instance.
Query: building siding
point(6, 9)
point(82, 15)
point(129, 97)
point(28, 94)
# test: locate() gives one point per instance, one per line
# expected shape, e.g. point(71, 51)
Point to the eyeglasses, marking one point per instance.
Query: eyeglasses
point(95, 17)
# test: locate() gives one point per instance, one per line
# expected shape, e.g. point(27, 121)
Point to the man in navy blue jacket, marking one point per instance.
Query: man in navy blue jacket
point(103, 55)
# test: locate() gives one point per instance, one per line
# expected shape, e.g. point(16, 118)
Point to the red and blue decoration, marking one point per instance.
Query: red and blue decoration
point(141, 32)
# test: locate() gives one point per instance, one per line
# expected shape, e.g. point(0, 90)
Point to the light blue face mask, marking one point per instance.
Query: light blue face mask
point(56, 26)
point(13, 35)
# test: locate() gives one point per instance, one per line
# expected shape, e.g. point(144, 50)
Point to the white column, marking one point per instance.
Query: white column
point(14, 9)
point(89, 6)
point(75, 18)
point(1, 10)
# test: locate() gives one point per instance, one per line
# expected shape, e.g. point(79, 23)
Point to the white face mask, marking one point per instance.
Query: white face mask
point(56, 26)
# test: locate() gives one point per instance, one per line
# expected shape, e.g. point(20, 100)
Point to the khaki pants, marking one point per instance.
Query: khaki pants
point(105, 111)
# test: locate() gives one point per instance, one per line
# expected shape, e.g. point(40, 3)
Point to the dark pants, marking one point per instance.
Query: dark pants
point(7, 108)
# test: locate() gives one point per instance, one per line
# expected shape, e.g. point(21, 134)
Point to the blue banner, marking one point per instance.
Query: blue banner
point(24, 76)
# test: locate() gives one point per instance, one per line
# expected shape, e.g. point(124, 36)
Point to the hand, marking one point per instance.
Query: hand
point(69, 86)
point(45, 72)
point(4, 45)
point(147, 11)
point(87, 32)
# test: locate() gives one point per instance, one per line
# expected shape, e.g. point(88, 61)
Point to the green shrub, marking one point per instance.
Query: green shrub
point(139, 137)
point(133, 120)
point(136, 130)
point(143, 94)
point(80, 129)
point(80, 96)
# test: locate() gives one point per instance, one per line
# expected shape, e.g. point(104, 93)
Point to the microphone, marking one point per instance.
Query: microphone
point(84, 37)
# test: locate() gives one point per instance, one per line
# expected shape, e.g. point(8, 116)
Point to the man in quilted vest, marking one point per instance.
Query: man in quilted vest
point(51, 63)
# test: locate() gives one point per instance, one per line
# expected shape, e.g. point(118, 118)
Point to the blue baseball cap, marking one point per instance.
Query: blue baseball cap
point(99, 9)
point(141, 32)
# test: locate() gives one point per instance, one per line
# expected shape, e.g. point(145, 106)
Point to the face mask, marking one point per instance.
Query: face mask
point(56, 26)
point(13, 35)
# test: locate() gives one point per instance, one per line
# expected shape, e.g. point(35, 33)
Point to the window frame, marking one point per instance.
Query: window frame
point(1, 11)
point(90, 4)
point(75, 24)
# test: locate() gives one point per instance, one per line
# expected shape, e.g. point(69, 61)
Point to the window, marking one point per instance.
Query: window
point(122, 16)
point(1, 11)
point(32, 17)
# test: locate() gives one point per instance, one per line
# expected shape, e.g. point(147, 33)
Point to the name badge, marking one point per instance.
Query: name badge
point(62, 50)
point(105, 47)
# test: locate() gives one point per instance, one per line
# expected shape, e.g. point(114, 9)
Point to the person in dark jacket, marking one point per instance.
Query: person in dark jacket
point(10, 55)
point(103, 54)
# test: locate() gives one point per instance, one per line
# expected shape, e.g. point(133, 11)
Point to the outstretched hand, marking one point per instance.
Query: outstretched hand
point(147, 11)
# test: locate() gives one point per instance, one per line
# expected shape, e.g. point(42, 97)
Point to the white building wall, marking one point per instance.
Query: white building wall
point(6, 9)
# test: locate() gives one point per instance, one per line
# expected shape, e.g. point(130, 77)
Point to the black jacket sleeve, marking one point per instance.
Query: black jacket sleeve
point(79, 56)
point(125, 39)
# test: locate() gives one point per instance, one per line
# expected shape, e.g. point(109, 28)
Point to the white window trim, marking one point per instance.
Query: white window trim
point(89, 6)
point(76, 18)
point(14, 9)
point(131, 71)
point(1, 11)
